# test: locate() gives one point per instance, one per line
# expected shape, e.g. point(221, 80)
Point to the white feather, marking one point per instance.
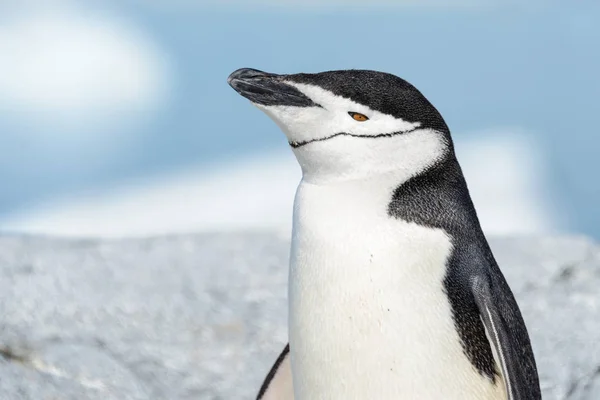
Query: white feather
point(368, 313)
point(498, 354)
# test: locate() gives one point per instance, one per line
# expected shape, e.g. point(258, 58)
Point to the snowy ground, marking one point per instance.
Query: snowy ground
point(204, 316)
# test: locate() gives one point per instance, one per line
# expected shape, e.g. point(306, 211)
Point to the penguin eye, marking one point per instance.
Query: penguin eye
point(358, 116)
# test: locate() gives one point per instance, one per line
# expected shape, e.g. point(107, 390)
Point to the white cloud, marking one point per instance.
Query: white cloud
point(63, 66)
point(505, 173)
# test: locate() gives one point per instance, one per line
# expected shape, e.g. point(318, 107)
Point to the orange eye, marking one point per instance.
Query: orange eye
point(358, 116)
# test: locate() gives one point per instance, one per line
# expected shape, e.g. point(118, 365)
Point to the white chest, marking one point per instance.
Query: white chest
point(368, 315)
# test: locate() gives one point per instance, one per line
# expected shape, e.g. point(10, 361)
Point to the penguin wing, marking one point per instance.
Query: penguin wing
point(278, 382)
point(508, 336)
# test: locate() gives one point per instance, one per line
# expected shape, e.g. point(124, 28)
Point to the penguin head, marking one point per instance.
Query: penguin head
point(350, 124)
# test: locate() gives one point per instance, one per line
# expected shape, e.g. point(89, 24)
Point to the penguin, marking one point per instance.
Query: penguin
point(393, 292)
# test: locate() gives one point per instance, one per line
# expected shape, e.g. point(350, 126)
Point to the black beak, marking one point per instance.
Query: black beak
point(267, 89)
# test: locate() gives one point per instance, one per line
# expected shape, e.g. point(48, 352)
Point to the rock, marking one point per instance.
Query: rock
point(204, 317)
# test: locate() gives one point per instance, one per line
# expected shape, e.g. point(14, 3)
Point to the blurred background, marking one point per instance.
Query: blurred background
point(116, 118)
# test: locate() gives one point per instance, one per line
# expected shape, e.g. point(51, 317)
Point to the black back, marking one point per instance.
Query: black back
point(439, 198)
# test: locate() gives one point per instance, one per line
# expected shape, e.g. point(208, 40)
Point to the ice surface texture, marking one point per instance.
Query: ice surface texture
point(204, 317)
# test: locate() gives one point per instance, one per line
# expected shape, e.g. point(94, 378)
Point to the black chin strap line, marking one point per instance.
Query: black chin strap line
point(381, 135)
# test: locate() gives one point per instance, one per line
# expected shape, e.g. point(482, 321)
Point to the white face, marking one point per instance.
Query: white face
point(331, 145)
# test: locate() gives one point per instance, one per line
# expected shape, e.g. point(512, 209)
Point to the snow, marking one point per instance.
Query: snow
point(204, 316)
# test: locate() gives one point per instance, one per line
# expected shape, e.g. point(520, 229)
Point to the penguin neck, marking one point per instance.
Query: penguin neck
point(436, 197)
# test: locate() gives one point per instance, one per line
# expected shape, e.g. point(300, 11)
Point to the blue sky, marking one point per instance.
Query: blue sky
point(533, 68)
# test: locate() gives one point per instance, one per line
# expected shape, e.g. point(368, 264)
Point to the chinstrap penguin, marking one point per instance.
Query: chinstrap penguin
point(394, 292)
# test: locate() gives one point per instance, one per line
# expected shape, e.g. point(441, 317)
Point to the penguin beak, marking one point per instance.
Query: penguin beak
point(267, 89)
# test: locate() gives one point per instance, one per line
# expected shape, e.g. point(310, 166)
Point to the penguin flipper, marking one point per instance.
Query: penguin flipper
point(508, 337)
point(278, 382)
